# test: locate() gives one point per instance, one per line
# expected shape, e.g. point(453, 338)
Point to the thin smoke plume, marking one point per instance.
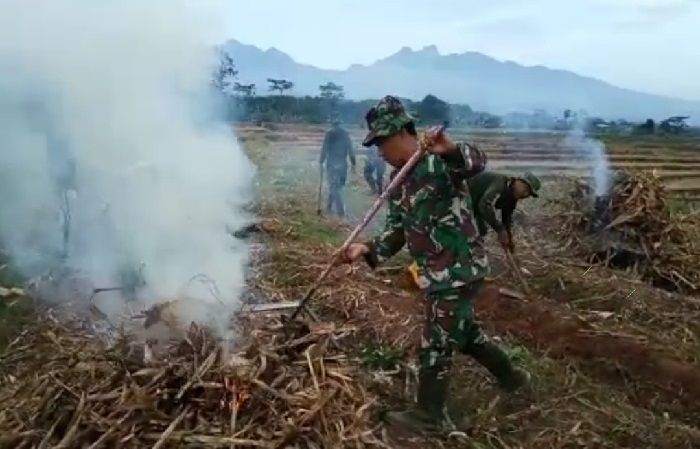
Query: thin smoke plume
point(106, 123)
point(596, 156)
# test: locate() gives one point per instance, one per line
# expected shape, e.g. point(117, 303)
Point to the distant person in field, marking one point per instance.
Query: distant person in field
point(375, 167)
point(491, 191)
point(336, 152)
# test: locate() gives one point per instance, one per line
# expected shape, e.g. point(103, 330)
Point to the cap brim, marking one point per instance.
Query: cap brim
point(369, 140)
point(529, 186)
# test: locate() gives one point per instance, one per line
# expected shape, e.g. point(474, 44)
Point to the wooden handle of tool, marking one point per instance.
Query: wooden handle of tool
point(515, 268)
point(320, 190)
point(408, 166)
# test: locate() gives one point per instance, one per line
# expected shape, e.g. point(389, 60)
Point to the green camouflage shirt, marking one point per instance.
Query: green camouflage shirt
point(489, 192)
point(431, 212)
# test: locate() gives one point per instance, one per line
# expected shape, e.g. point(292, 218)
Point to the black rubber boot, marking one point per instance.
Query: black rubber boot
point(494, 359)
point(430, 413)
point(517, 380)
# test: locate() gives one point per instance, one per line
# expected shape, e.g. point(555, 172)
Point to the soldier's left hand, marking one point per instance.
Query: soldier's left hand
point(438, 142)
point(350, 254)
point(505, 240)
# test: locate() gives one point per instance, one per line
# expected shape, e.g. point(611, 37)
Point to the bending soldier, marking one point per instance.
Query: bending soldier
point(491, 191)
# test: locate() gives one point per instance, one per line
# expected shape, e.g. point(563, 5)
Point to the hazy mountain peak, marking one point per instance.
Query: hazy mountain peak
point(472, 78)
point(430, 50)
point(277, 53)
point(406, 55)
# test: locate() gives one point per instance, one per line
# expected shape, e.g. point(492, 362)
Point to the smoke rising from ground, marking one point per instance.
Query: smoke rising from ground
point(105, 113)
point(595, 154)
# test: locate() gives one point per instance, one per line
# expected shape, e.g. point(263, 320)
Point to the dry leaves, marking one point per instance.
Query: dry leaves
point(62, 389)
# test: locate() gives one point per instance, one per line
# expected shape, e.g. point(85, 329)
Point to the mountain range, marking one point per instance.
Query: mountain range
point(470, 78)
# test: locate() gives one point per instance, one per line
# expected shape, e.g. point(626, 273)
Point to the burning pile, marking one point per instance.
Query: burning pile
point(632, 227)
point(61, 389)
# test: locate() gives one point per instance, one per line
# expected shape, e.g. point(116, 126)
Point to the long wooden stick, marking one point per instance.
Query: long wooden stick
point(320, 191)
point(365, 221)
point(515, 268)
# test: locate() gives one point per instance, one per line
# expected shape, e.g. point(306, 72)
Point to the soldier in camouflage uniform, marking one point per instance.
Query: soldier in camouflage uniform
point(491, 191)
point(336, 151)
point(374, 170)
point(431, 212)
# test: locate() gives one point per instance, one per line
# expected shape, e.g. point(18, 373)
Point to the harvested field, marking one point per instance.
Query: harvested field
point(615, 361)
point(594, 357)
point(676, 160)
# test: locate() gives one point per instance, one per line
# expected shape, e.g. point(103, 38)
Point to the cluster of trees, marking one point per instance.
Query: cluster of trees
point(244, 104)
point(540, 119)
point(671, 125)
point(320, 109)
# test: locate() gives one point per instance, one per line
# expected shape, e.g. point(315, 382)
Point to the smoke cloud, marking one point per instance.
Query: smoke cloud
point(106, 118)
point(595, 155)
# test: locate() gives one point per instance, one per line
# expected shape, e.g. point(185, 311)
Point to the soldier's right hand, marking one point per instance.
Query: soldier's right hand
point(352, 253)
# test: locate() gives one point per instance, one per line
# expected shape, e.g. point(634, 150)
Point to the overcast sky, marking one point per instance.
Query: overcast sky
point(647, 45)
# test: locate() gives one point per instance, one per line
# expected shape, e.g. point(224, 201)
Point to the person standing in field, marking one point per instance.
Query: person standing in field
point(431, 212)
point(335, 153)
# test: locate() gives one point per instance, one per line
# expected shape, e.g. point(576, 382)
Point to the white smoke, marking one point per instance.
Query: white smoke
point(109, 101)
point(596, 156)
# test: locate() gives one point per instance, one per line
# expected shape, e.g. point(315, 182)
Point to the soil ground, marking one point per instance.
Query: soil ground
point(616, 363)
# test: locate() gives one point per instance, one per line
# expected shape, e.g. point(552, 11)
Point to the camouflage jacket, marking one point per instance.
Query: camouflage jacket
point(431, 211)
point(490, 191)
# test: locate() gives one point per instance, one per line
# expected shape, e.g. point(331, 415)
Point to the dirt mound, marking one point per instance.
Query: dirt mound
point(60, 388)
point(562, 334)
point(633, 227)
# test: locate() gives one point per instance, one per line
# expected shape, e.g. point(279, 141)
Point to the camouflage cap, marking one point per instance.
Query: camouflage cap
point(533, 182)
point(386, 118)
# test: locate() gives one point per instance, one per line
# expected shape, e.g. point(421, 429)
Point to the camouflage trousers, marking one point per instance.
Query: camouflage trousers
point(336, 181)
point(450, 326)
point(374, 175)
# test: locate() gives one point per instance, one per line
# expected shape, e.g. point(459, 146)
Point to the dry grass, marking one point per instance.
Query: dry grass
point(591, 396)
point(611, 370)
point(286, 387)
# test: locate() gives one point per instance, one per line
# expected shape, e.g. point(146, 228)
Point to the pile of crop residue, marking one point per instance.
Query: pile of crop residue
point(61, 388)
point(632, 227)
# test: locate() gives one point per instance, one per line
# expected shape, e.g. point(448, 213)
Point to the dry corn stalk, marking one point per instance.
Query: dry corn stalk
point(642, 222)
point(60, 388)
